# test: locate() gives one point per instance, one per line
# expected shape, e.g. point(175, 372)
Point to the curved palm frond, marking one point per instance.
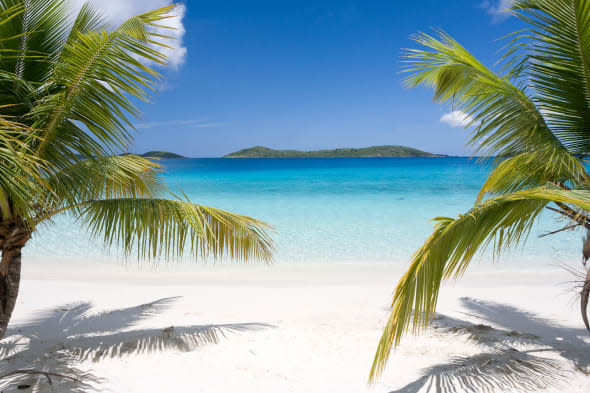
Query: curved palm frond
point(99, 70)
point(534, 169)
point(42, 26)
point(127, 176)
point(500, 222)
point(506, 121)
point(558, 65)
point(89, 18)
point(160, 228)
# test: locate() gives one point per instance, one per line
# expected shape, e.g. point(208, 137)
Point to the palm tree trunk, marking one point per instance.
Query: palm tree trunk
point(10, 266)
point(585, 294)
point(584, 299)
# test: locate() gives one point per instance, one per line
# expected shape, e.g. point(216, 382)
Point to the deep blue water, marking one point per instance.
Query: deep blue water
point(331, 210)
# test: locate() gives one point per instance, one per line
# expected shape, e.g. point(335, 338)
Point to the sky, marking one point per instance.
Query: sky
point(305, 74)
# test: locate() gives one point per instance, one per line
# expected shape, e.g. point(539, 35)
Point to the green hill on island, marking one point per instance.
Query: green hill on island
point(373, 151)
point(161, 154)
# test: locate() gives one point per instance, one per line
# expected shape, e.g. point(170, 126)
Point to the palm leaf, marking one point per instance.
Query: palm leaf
point(16, 96)
point(506, 121)
point(500, 222)
point(88, 19)
point(99, 70)
point(558, 65)
point(42, 26)
point(21, 175)
point(160, 228)
point(535, 169)
point(127, 176)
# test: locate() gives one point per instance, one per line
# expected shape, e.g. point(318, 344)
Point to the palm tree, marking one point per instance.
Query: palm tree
point(534, 116)
point(68, 92)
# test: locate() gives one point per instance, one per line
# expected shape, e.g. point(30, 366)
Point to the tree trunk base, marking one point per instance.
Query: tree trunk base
point(10, 268)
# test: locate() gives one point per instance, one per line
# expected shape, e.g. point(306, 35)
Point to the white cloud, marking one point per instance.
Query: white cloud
point(498, 9)
point(457, 119)
point(176, 54)
point(117, 11)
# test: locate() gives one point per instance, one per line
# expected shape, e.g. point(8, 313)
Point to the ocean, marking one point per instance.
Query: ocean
point(339, 210)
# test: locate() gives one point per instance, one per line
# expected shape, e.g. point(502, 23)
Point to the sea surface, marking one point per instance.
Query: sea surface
point(330, 210)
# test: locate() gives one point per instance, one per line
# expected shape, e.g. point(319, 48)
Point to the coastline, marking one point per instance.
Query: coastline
point(332, 157)
point(295, 328)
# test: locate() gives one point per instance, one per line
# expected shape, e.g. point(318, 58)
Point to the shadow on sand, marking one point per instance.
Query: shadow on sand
point(523, 352)
point(56, 341)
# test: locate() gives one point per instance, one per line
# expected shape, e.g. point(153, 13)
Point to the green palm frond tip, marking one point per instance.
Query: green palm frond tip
point(69, 88)
point(134, 223)
point(538, 135)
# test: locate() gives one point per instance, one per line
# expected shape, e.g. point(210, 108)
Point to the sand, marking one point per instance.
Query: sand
point(288, 328)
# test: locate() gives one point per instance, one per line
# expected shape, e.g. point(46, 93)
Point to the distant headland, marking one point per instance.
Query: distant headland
point(373, 151)
point(161, 154)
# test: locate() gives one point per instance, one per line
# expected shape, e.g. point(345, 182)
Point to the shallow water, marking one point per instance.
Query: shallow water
point(330, 210)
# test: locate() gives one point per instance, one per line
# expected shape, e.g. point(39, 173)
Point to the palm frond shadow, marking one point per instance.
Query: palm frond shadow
point(493, 371)
point(57, 341)
point(517, 354)
point(572, 344)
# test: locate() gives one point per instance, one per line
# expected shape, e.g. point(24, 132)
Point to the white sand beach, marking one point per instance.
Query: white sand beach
point(289, 328)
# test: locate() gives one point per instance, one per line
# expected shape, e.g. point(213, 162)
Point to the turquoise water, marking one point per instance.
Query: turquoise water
point(330, 210)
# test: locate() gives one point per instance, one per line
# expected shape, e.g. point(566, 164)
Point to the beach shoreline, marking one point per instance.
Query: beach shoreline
point(291, 328)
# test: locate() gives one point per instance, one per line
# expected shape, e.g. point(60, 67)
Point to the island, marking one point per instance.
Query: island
point(373, 151)
point(161, 154)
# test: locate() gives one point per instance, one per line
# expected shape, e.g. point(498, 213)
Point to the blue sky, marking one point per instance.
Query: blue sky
point(309, 75)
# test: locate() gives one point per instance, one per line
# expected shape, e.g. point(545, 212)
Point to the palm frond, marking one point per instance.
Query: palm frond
point(7, 14)
point(89, 18)
point(506, 121)
point(558, 66)
point(127, 176)
point(99, 71)
point(41, 29)
point(499, 222)
point(16, 96)
point(160, 228)
point(21, 174)
point(534, 169)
